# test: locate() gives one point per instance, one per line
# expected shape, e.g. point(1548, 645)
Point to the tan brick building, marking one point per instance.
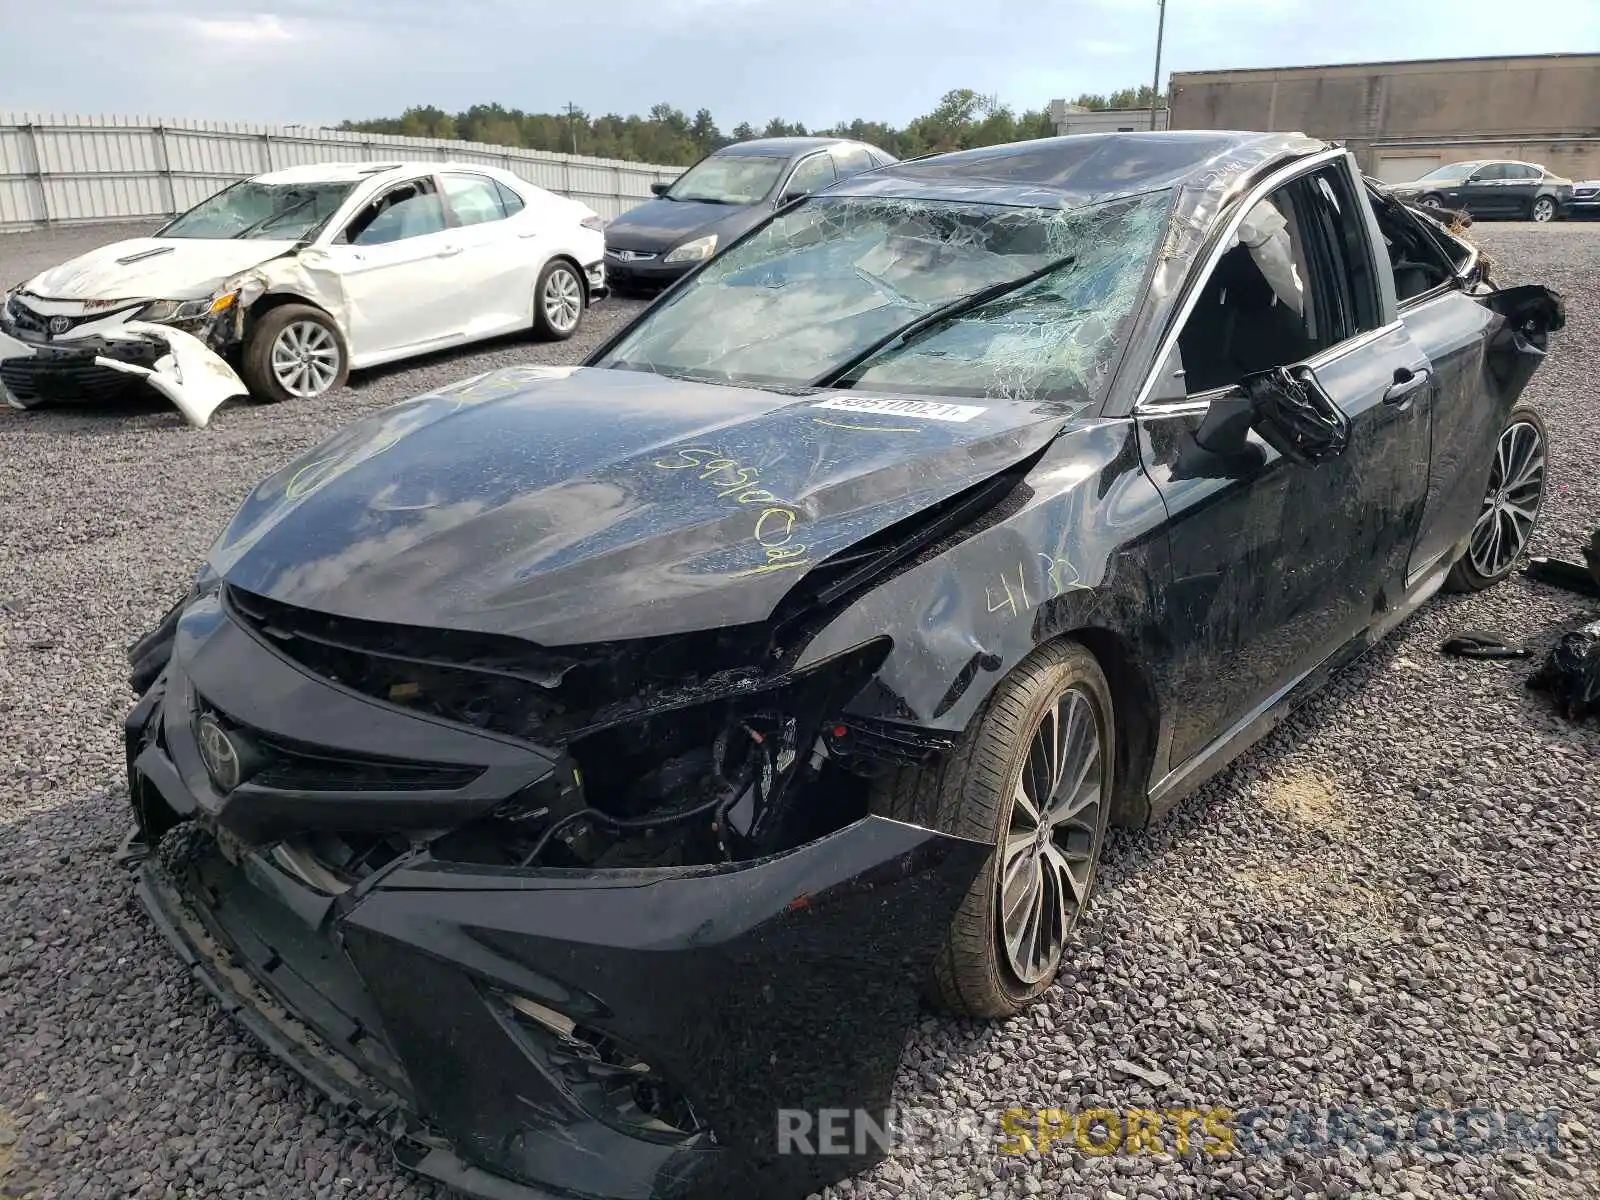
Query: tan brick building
point(1402, 119)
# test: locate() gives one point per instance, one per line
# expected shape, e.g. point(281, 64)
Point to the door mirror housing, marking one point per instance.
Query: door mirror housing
point(791, 197)
point(1287, 407)
point(659, 189)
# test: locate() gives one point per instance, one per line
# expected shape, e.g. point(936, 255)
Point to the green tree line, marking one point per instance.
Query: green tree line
point(962, 119)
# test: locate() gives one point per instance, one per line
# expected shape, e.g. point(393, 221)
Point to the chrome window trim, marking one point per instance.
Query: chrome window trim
point(1270, 184)
point(1202, 400)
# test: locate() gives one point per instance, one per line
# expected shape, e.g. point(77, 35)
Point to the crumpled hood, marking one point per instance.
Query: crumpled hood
point(571, 505)
point(661, 224)
point(152, 269)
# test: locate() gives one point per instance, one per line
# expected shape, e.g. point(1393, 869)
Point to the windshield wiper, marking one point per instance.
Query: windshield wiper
point(912, 330)
point(279, 215)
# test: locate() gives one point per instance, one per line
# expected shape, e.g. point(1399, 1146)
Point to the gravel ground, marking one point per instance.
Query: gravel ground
point(1393, 902)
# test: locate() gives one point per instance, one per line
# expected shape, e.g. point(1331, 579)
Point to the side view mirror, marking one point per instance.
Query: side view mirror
point(1288, 407)
point(659, 189)
point(791, 197)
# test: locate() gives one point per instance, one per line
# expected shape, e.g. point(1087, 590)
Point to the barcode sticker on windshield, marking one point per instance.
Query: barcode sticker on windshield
point(904, 408)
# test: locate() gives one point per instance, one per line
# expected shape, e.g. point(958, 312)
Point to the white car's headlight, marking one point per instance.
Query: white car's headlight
point(244, 289)
point(693, 251)
point(167, 311)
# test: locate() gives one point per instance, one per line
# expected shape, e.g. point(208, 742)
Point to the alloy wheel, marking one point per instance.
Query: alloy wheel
point(1544, 209)
point(1047, 853)
point(1511, 506)
point(305, 359)
point(563, 299)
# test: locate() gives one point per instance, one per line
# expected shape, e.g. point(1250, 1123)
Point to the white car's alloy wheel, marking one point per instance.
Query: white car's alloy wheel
point(562, 299)
point(305, 359)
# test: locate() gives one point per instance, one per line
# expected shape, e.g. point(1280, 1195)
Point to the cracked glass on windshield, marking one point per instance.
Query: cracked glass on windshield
point(822, 284)
point(268, 211)
point(728, 179)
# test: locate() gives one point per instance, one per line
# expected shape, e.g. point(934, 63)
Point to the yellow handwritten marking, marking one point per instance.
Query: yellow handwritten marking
point(870, 428)
point(687, 461)
point(774, 566)
point(1061, 574)
point(775, 526)
point(785, 515)
point(336, 465)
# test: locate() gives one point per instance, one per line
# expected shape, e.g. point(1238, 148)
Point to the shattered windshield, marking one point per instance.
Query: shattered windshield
point(728, 179)
point(270, 211)
point(822, 284)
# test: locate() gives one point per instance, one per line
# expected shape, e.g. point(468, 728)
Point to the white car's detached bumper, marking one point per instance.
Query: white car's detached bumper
point(95, 369)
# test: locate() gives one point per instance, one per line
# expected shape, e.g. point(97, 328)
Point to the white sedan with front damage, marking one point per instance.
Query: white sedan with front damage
point(277, 286)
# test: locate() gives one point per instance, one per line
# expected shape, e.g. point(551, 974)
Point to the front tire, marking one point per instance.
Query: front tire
point(1544, 210)
point(294, 352)
point(558, 301)
point(1511, 505)
point(1032, 776)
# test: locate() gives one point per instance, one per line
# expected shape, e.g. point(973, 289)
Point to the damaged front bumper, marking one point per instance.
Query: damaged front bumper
point(588, 1032)
point(108, 365)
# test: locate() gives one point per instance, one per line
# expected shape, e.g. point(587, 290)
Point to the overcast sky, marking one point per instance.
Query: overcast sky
point(816, 61)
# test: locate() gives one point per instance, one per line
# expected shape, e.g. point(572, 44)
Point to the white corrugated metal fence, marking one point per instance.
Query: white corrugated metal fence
point(62, 169)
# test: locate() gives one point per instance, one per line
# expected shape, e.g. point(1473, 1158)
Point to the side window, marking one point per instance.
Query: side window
point(812, 175)
point(852, 160)
point(1418, 263)
point(1490, 172)
point(1524, 171)
point(509, 200)
point(1297, 280)
point(409, 210)
point(473, 199)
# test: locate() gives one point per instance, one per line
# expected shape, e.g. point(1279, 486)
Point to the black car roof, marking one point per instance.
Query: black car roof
point(1080, 168)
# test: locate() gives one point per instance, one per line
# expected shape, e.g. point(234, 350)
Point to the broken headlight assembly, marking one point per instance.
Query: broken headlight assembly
point(240, 290)
point(148, 656)
point(721, 772)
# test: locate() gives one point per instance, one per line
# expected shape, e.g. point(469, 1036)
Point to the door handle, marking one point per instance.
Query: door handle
point(449, 252)
point(1406, 383)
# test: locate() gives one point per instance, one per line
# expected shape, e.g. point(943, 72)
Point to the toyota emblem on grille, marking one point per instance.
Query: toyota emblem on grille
point(59, 325)
point(218, 753)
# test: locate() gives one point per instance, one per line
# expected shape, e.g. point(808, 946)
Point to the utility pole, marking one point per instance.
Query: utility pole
point(572, 120)
point(1155, 86)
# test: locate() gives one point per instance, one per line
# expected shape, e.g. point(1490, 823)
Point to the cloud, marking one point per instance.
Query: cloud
point(255, 29)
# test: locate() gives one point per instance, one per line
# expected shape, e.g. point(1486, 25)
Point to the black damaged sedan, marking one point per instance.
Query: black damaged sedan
point(574, 769)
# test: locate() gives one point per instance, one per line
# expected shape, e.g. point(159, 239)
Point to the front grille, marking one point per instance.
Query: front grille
point(26, 319)
point(290, 769)
point(68, 378)
point(462, 677)
point(489, 681)
point(294, 766)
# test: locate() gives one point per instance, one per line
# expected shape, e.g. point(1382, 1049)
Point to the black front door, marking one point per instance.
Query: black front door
point(1277, 564)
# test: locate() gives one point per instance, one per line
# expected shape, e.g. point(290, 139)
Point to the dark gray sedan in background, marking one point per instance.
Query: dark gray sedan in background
point(724, 194)
point(1518, 190)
